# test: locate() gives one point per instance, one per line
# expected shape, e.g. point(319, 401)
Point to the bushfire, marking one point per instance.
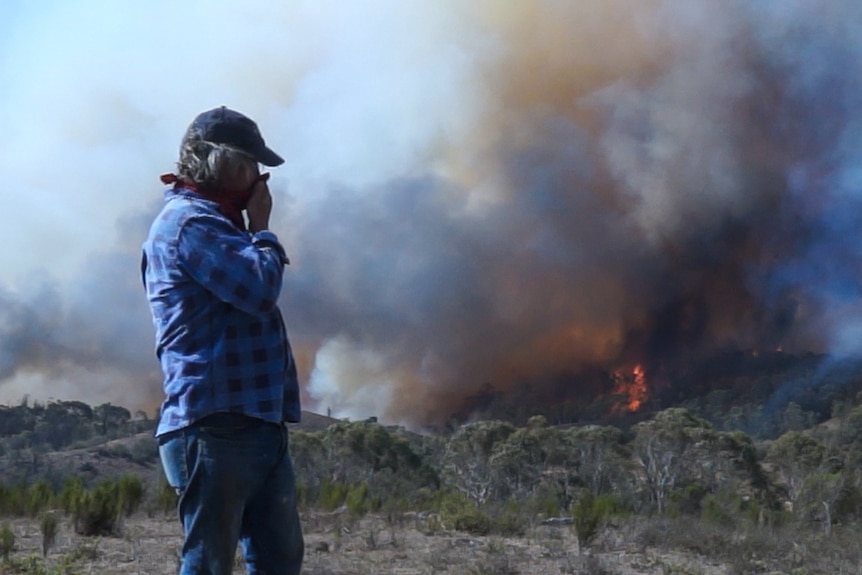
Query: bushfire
point(631, 388)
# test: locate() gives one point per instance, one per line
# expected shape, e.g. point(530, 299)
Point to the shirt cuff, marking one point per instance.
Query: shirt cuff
point(269, 239)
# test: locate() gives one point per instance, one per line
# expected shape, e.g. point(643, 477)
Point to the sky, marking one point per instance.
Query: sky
point(475, 193)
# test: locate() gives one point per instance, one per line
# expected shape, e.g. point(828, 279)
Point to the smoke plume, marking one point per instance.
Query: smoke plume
point(475, 194)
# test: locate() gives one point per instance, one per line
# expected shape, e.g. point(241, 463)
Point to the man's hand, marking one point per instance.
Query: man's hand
point(259, 207)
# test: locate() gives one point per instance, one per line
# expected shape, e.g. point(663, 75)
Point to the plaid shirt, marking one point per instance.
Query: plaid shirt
point(220, 337)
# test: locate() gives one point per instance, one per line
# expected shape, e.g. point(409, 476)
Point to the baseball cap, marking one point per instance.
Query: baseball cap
point(225, 126)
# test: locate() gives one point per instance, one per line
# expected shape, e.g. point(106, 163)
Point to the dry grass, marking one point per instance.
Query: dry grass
point(415, 544)
point(339, 545)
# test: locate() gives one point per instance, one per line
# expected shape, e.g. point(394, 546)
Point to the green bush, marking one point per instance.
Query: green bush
point(686, 501)
point(130, 493)
point(359, 502)
point(726, 507)
point(355, 497)
point(302, 496)
point(7, 541)
point(849, 504)
point(40, 497)
point(48, 527)
point(460, 513)
point(545, 502)
point(511, 518)
point(590, 512)
point(97, 512)
point(472, 521)
point(70, 494)
point(100, 510)
point(13, 499)
point(166, 498)
point(331, 495)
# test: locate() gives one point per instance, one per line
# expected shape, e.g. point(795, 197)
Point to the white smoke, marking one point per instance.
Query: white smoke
point(474, 193)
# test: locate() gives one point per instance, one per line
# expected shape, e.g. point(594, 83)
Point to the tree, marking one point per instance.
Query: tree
point(356, 451)
point(675, 449)
point(110, 418)
point(795, 456)
point(518, 462)
point(360, 456)
point(16, 420)
point(599, 456)
point(820, 493)
point(65, 422)
point(467, 459)
point(809, 472)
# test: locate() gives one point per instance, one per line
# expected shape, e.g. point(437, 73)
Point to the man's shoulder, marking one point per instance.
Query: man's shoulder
point(179, 209)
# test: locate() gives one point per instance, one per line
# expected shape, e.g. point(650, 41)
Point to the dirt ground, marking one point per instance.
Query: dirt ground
point(338, 545)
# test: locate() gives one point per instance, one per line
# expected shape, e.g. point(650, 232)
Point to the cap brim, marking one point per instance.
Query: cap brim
point(269, 158)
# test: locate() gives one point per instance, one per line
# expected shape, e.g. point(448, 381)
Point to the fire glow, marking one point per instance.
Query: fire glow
point(493, 206)
point(631, 388)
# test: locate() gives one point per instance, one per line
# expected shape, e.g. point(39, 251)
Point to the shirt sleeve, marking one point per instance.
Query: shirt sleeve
point(238, 268)
point(267, 238)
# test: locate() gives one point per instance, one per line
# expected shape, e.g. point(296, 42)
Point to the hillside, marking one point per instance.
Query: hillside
point(670, 491)
point(65, 438)
point(670, 495)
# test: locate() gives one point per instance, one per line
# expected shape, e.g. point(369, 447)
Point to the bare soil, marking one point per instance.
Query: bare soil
point(407, 545)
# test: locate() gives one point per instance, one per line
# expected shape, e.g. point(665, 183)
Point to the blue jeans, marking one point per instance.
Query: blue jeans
point(236, 485)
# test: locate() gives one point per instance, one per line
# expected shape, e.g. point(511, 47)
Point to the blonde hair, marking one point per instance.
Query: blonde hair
point(208, 164)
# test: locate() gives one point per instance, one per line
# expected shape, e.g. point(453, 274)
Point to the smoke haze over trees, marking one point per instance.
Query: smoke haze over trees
point(475, 194)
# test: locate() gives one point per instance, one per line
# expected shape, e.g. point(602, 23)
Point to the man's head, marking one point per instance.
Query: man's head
point(225, 126)
point(222, 149)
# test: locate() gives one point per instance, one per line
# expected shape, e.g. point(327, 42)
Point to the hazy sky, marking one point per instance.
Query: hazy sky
point(474, 192)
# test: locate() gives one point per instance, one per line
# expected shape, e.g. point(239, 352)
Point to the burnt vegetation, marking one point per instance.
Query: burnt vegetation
point(761, 458)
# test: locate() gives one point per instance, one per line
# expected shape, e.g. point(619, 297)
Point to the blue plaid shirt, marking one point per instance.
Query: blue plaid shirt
point(220, 337)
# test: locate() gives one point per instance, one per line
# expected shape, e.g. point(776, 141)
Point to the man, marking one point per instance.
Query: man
point(230, 382)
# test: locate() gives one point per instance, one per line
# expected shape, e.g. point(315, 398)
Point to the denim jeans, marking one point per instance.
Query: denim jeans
point(236, 485)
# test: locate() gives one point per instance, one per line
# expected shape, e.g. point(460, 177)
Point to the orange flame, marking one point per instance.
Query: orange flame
point(632, 387)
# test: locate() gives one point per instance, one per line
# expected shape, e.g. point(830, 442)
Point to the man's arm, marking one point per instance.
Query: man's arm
point(236, 269)
point(259, 207)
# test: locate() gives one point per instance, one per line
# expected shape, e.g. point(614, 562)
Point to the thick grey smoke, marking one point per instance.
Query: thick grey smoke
point(482, 194)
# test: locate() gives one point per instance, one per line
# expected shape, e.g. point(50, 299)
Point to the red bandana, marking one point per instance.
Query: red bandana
point(231, 205)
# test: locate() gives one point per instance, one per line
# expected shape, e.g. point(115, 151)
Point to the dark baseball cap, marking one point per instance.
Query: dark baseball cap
point(225, 126)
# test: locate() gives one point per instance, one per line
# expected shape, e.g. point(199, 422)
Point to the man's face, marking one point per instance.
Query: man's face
point(241, 179)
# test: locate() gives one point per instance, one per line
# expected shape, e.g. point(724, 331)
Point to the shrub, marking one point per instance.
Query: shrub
point(545, 502)
point(511, 518)
point(686, 501)
point(302, 496)
point(7, 541)
point(460, 513)
point(70, 494)
point(472, 521)
point(13, 500)
point(722, 508)
point(48, 526)
point(40, 496)
point(85, 552)
point(167, 497)
point(331, 495)
point(100, 510)
point(97, 512)
point(359, 502)
point(690, 534)
point(130, 493)
point(590, 512)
